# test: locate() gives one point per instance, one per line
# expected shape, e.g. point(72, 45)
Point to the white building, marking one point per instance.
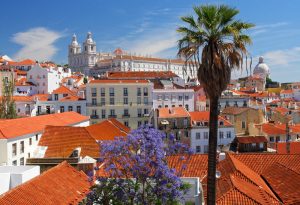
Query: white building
point(24, 88)
point(168, 94)
point(296, 91)
point(200, 132)
point(19, 137)
point(12, 176)
point(46, 79)
point(93, 63)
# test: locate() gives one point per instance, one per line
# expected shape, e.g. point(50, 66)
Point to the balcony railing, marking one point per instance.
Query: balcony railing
point(126, 115)
point(112, 116)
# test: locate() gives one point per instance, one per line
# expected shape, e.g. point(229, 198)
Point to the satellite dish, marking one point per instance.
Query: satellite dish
point(218, 174)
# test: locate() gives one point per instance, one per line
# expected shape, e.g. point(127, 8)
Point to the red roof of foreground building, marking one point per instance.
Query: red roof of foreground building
point(23, 62)
point(61, 184)
point(63, 90)
point(172, 112)
point(198, 116)
point(279, 129)
point(123, 81)
point(284, 182)
point(108, 130)
point(61, 141)
point(251, 139)
point(141, 75)
point(22, 126)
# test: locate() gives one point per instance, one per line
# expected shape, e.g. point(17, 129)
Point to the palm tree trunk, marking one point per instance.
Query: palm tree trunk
point(212, 151)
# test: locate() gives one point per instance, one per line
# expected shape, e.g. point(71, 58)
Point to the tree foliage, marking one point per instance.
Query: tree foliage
point(136, 170)
point(7, 105)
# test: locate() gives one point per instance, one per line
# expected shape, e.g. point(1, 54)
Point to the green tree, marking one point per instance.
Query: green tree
point(7, 105)
point(215, 42)
point(85, 80)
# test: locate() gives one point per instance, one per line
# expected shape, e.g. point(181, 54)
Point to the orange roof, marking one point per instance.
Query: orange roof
point(201, 98)
point(118, 81)
point(281, 110)
point(61, 141)
point(204, 116)
point(63, 90)
point(23, 62)
point(41, 97)
point(140, 75)
point(286, 92)
point(21, 72)
point(251, 139)
point(22, 126)
point(22, 99)
point(23, 82)
point(284, 182)
point(61, 184)
point(108, 130)
point(172, 112)
point(150, 59)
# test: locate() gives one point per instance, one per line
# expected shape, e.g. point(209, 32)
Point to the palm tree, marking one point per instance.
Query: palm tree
point(214, 42)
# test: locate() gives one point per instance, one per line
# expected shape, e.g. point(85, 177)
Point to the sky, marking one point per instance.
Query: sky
point(42, 30)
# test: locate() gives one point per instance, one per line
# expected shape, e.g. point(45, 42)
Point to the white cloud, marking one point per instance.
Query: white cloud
point(37, 43)
point(283, 57)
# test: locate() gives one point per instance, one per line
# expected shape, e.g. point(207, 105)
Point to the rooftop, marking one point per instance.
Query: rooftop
point(141, 75)
point(111, 81)
point(61, 184)
point(172, 112)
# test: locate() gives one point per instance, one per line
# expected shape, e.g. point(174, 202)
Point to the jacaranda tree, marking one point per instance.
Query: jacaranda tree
point(135, 170)
point(214, 41)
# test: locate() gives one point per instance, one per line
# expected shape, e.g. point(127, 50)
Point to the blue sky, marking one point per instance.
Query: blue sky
point(43, 29)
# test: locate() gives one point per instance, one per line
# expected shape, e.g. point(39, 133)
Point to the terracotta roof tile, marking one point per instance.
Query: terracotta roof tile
point(21, 126)
point(197, 116)
point(284, 181)
point(61, 141)
point(23, 62)
point(173, 112)
point(141, 75)
point(108, 130)
point(61, 184)
point(63, 90)
point(286, 92)
point(123, 81)
point(251, 139)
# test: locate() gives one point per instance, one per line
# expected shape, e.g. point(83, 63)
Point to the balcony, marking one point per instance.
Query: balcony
point(94, 94)
point(94, 116)
point(126, 115)
point(112, 116)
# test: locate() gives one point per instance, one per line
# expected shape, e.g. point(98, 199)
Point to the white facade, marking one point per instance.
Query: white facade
point(296, 91)
point(12, 176)
point(170, 96)
point(25, 90)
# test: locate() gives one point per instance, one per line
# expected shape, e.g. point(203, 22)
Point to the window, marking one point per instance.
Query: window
point(206, 135)
point(94, 101)
point(70, 108)
point(22, 147)
point(180, 97)
point(126, 123)
point(22, 161)
point(55, 96)
point(205, 148)
point(187, 107)
point(44, 76)
point(159, 97)
point(139, 100)
point(145, 100)
point(221, 135)
point(198, 149)
point(228, 134)
point(102, 101)
point(62, 109)
point(126, 113)
point(139, 123)
point(185, 123)
point(277, 138)
point(125, 91)
point(139, 111)
point(111, 101)
point(36, 137)
point(112, 113)
point(145, 91)
point(125, 101)
point(30, 141)
point(78, 109)
point(103, 114)
point(139, 92)
point(221, 123)
point(111, 92)
point(102, 92)
point(14, 149)
point(94, 92)
point(186, 97)
point(146, 111)
point(14, 163)
point(166, 97)
point(198, 135)
point(146, 122)
point(243, 125)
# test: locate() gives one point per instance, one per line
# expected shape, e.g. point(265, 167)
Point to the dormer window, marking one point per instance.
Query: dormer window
point(221, 123)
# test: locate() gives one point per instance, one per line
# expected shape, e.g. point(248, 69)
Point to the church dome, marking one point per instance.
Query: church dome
point(74, 41)
point(261, 68)
point(89, 38)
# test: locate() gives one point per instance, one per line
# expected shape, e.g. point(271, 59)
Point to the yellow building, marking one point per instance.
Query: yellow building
point(129, 101)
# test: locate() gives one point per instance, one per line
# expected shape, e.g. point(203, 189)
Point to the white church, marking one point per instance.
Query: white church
point(88, 61)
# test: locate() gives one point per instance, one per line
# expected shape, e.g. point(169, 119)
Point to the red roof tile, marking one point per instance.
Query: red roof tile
point(251, 139)
point(125, 81)
point(141, 75)
point(22, 126)
point(61, 184)
point(23, 62)
point(61, 141)
point(198, 116)
point(172, 112)
point(63, 90)
point(108, 130)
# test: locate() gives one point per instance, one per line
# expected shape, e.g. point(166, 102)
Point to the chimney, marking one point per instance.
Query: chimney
point(222, 156)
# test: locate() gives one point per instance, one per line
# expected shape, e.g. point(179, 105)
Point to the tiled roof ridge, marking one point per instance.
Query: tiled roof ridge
point(252, 180)
point(115, 125)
